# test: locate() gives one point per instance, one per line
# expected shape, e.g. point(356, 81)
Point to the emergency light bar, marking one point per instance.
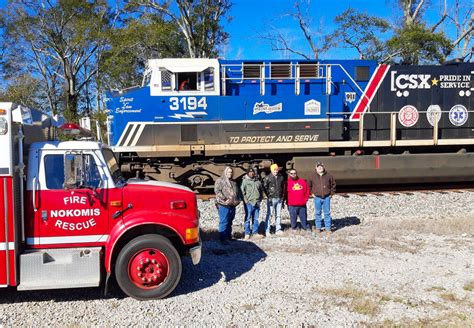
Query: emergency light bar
point(73, 129)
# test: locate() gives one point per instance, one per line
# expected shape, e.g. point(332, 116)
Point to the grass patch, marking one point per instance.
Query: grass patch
point(449, 226)
point(360, 301)
point(462, 316)
point(347, 291)
point(469, 286)
point(450, 297)
point(248, 307)
point(446, 320)
point(436, 288)
point(365, 306)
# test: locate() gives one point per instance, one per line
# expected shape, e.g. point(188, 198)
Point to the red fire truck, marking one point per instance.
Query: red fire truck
point(68, 219)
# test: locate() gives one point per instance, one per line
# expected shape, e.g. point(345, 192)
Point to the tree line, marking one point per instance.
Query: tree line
point(61, 55)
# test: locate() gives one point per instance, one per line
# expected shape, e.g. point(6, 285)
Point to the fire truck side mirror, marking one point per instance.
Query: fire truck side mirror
point(73, 171)
point(81, 171)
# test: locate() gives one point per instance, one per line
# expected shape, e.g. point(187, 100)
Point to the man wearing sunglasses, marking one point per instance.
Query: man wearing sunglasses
point(298, 194)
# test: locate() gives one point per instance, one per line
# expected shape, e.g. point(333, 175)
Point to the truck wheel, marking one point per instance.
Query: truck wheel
point(148, 267)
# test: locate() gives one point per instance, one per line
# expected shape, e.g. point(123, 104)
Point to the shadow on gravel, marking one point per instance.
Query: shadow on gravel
point(219, 264)
point(339, 223)
point(11, 295)
point(347, 221)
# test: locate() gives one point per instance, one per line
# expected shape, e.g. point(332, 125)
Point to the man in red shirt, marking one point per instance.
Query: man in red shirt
point(298, 194)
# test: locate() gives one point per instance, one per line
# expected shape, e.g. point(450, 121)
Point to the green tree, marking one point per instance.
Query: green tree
point(199, 21)
point(24, 89)
point(362, 32)
point(415, 44)
point(131, 45)
point(58, 42)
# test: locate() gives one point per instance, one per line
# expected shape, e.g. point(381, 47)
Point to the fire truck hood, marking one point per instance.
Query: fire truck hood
point(157, 184)
point(151, 197)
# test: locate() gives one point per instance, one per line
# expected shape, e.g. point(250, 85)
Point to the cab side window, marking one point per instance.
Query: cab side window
point(91, 172)
point(54, 170)
point(187, 81)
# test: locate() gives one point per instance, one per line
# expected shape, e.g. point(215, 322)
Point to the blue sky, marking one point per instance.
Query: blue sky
point(251, 18)
point(254, 17)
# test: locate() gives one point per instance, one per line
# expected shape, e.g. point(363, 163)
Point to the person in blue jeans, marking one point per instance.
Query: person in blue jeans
point(323, 187)
point(274, 186)
point(227, 198)
point(252, 192)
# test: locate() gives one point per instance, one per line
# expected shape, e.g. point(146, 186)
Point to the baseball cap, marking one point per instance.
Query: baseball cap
point(274, 167)
point(319, 164)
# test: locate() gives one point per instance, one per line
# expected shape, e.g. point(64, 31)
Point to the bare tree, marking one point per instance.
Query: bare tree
point(315, 40)
point(412, 10)
point(463, 20)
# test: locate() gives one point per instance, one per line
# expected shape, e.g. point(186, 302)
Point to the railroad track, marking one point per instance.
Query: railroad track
point(383, 193)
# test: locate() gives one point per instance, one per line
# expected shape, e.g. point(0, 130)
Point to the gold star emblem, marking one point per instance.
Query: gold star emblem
point(434, 81)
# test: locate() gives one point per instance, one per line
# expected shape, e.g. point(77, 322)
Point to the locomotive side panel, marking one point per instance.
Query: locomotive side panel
point(417, 92)
point(277, 111)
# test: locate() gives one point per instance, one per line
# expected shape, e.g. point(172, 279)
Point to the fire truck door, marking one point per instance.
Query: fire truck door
point(72, 202)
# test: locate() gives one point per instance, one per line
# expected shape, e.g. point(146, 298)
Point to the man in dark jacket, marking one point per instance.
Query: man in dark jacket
point(323, 187)
point(274, 186)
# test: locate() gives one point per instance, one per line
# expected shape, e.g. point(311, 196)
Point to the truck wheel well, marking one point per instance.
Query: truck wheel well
point(143, 230)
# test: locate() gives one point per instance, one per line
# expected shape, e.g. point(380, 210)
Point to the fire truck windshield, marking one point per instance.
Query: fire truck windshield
point(113, 166)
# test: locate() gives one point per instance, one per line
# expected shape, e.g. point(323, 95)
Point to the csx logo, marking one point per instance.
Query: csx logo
point(402, 82)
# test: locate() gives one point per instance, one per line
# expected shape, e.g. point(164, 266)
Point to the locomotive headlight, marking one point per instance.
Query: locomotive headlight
point(3, 126)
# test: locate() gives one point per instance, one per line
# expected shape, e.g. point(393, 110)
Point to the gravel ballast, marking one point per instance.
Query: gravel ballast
point(394, 259)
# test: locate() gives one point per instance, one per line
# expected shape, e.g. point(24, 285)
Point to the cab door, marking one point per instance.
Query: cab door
point(72, 200)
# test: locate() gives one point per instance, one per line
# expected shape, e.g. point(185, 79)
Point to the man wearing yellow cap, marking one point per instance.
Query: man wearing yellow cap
point(274, 186)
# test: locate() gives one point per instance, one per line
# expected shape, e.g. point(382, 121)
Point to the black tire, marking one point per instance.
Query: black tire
point(124, 261)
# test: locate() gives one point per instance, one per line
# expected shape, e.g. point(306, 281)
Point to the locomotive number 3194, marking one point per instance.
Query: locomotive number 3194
point(187, 103)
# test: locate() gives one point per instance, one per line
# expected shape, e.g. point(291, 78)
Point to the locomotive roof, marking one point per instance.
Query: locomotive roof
point(177, 65)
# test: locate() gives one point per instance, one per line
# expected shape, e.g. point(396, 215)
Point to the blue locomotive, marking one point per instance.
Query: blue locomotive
point(371, 123)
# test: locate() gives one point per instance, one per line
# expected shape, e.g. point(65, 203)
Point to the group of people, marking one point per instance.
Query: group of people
point(293, 191)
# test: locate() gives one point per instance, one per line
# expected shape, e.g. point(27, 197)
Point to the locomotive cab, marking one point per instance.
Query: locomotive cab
point(184, 76)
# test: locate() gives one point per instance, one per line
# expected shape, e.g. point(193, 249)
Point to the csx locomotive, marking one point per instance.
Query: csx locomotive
point(370, 123)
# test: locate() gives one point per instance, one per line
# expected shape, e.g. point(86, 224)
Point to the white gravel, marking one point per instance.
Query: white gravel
point(393, 260)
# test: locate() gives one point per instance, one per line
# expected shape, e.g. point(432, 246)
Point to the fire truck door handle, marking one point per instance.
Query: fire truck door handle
point(118, 213)
point(34, 194)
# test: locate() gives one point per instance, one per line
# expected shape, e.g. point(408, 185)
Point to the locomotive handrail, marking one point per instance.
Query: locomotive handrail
point(376, 113)
point(393, 125)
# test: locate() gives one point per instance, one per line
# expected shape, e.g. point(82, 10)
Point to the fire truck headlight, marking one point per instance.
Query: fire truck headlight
point(3, 126)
